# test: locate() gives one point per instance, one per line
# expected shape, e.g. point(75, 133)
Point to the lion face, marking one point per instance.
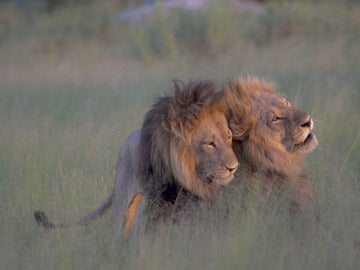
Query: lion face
point(270, 134)
point(211, 147)
point(281, 125)
point(208, 153)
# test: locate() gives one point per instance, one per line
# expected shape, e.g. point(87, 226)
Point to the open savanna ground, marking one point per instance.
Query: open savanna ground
point(74, 83)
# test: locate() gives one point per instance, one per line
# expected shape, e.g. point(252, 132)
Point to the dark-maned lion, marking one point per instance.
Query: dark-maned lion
point(185, 147)
point(182, 153)
point(270, 138)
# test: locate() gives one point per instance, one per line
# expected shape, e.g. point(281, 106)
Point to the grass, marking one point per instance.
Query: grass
point(71, 92)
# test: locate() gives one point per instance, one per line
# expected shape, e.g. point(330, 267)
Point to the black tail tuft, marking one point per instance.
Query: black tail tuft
point(42, 220)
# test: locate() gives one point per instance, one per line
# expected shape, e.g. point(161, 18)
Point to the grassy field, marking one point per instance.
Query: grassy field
point(75, 83)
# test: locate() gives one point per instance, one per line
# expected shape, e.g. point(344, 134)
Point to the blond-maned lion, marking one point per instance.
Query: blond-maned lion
point(182, 154)
point(270, 138)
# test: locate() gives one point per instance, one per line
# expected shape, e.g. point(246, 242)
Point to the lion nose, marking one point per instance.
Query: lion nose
point(232, 168)
point(308, 123)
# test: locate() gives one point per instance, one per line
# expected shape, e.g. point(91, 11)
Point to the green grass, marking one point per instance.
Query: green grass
point(71, 92)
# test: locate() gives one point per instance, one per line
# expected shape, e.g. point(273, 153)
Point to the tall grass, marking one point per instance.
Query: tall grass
point(66, 109)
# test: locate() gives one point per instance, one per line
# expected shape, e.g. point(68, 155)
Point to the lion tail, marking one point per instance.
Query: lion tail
point(42, 220)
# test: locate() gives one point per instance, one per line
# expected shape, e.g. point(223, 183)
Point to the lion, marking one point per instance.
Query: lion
point(186, 149)
point(182, 154)
point(270, 138)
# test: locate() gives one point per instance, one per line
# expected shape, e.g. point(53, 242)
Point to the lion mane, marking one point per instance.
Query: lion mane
point(168, 163)
point(270, 138)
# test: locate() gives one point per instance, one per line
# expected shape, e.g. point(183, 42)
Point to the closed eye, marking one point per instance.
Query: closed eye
point(277, 119)
point(287, 103)
point(210, 144)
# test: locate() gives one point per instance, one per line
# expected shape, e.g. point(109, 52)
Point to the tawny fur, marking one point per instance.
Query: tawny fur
point(172, 132)
point(270, 138)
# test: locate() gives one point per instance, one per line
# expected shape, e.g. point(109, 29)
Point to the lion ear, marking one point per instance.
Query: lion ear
point(240, 131)
point(240, 137)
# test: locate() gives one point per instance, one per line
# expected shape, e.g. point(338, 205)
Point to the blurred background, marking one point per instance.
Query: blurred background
point(77, 76)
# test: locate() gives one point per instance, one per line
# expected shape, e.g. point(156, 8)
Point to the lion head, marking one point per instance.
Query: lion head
point(185, 143)
point(274, 134)
point(271, 135)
